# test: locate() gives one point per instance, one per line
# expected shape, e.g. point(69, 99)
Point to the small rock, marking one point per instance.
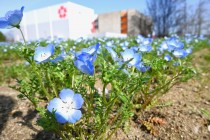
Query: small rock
point(209, 128)
point(196, 129)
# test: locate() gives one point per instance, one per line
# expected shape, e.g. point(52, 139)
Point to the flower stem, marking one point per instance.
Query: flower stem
point(37, 72)
point(22, 36)
point(42, 86)
point(51, 84)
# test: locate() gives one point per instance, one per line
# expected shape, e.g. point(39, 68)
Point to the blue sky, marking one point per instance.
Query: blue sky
point(100, 6)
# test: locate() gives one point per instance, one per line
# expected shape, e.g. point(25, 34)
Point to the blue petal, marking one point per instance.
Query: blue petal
point(22, 8)
point(83, 56)
point(134, 48)
point(15, 18)
point(61, 116)
point(93, 49)
point(127, 54)
point(3, 23)
point(84, 66)
point(136, 59)
point(74, 115)
point(60, 57)
point(55, 104)
point(66, 95)
point(167, 57)
point(180, 53)
point(43, 53)
point(145, 48)
point(77, 101)
point(189, 50)
point(113, 53)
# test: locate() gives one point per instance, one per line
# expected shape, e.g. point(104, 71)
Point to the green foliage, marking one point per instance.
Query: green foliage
point(2, 37)
point(122, 95)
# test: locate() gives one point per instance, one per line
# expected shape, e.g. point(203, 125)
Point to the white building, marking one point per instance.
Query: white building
point(66, 20)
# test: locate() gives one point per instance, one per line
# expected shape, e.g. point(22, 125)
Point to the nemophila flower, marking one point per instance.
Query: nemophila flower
point(42, 54)
point(142, 67)
point(180, 53)
point(124, 45)
point(174, 43)
point(60, 57)
point(12, 19)
point(144, 41)
point(112, 53)
point(134, 48)
point(129, 54)
point(164, 46)
point(84, 62)
point(176, 63)
point(92, 51)
point(147, 41)
point(145, 48)
point(88, 53)
point(189, 50)
point(140, 39)
point(167, 57)
point(110, 43)
point(188, 38)
point(67, 106)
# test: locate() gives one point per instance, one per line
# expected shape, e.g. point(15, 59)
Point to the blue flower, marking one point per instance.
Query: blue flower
point(129, 54)
point(67, 106)
point(60, 57)
point(144, 41)
point(189, 50)
point(135, 48)
point(84, 62)
point(12, 19)
point(124, 44)
point(110, 43)
point(180, 53)
point(141, 67)
point(167, 57)
point(42, 54)
point(174, 43)
point(92, 50)
point(112, 53)
point(84, 59)
point(145, 48)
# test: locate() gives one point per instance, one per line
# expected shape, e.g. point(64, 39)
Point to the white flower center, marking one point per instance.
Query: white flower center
point(68, 106)
point(44, 55)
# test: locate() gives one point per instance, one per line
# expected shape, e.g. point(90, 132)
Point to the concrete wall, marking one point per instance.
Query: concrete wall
point(133, 22)
point(138, 23)
point(109, 22)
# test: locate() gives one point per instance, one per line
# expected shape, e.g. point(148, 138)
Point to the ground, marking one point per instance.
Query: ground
point(176, 116)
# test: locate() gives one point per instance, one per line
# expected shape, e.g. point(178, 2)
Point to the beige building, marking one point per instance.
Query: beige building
point(130, 22)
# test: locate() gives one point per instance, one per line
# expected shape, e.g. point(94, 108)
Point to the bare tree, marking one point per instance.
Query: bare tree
point(165, 15)
point(176, 16)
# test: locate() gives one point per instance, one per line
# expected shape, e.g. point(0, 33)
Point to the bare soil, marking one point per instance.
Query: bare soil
point(175, 116)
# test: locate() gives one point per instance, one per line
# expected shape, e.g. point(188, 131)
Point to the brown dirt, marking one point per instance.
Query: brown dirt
point(179, 110)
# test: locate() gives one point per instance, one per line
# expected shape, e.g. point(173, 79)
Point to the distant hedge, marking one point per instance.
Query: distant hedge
point(2, 37)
